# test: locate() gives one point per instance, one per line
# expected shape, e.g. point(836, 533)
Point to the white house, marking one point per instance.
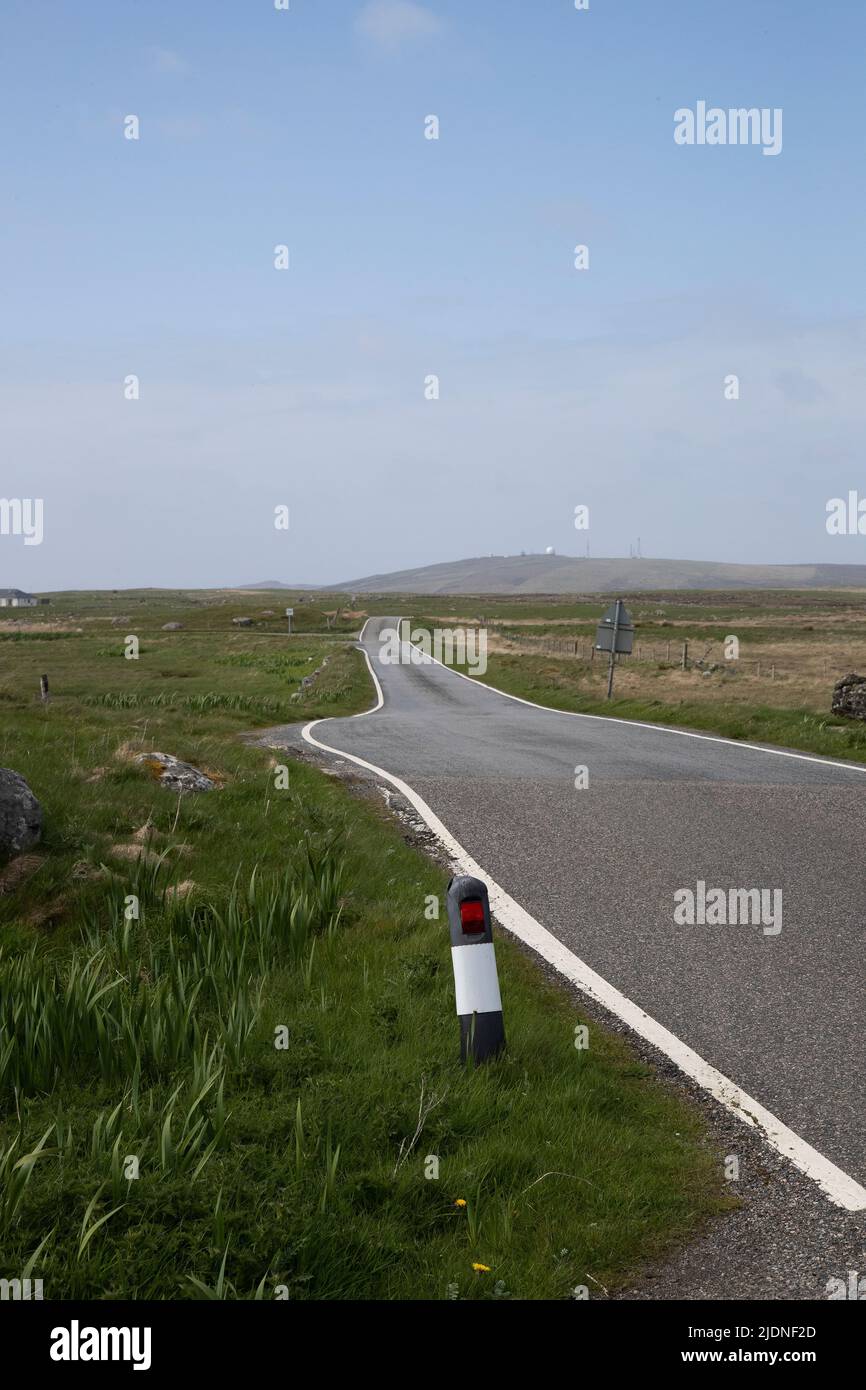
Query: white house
point(16, 598)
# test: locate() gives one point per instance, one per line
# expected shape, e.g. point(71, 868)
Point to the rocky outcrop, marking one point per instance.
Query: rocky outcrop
point(172, 627)
point(849, 697)
point(20, 815)
point(170, 772)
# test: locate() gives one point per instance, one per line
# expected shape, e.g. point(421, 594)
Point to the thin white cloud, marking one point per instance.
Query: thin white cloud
point(167, 60)
point(393, 23)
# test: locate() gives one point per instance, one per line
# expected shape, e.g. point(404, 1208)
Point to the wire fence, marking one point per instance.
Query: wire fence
point(682, 655)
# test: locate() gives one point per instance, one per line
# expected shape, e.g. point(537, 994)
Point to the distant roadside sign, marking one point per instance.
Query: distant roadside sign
point(290, 612)
point(615, 632)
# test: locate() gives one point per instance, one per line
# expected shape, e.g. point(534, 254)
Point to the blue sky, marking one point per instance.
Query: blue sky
point(410, 257)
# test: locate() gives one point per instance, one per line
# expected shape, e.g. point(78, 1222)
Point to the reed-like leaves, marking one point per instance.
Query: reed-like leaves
point(129, 1002)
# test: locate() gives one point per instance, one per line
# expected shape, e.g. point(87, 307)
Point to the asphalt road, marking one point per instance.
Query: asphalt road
point(782, 1015)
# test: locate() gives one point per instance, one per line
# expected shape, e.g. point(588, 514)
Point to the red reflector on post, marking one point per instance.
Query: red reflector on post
point(472, 915)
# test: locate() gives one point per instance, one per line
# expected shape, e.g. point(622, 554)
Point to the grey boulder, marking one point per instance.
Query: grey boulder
point(849, 697)
point(20, 814)
point(170, 772)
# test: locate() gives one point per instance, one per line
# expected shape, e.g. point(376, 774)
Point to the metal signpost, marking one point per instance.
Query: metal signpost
point(615, 633)
point(289, 615)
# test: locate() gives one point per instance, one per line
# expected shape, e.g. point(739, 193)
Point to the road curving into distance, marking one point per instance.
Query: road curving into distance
point(772, 1023)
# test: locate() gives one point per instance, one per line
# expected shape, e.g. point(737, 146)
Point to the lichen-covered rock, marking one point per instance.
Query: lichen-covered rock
point(849, 697)
point(170, 772)
point(20, 814)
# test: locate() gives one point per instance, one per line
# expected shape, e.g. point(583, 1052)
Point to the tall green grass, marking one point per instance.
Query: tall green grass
point(198, 704)
point(131, 1000)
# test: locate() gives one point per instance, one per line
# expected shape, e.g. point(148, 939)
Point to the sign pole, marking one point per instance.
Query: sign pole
point(615, 634)
point(613, 648)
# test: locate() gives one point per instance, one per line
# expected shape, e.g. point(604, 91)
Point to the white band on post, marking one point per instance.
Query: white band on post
point(475, 980)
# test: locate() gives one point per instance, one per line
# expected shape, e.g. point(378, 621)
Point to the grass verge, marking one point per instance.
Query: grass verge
point(228, 1050)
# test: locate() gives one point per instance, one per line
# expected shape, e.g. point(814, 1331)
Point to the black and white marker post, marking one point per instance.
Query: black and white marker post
point(476, 984)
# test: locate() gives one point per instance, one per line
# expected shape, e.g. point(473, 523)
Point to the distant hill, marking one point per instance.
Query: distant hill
point(275, 584)
point(561, 574)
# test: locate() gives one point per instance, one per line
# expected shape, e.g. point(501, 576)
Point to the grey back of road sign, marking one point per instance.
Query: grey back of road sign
point(624, 631)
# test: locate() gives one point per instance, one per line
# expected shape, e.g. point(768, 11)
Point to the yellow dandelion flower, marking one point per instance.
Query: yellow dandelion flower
point(481, 1269)
point(460, 1202)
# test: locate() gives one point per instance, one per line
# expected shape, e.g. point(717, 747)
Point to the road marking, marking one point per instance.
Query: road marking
point(635, 723)
point(840, 1187)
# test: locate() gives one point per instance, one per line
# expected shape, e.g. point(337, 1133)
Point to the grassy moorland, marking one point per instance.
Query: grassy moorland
point(227, 1043)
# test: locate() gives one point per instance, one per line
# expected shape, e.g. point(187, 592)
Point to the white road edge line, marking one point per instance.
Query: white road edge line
point(637, 723)
point(840, 1187)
